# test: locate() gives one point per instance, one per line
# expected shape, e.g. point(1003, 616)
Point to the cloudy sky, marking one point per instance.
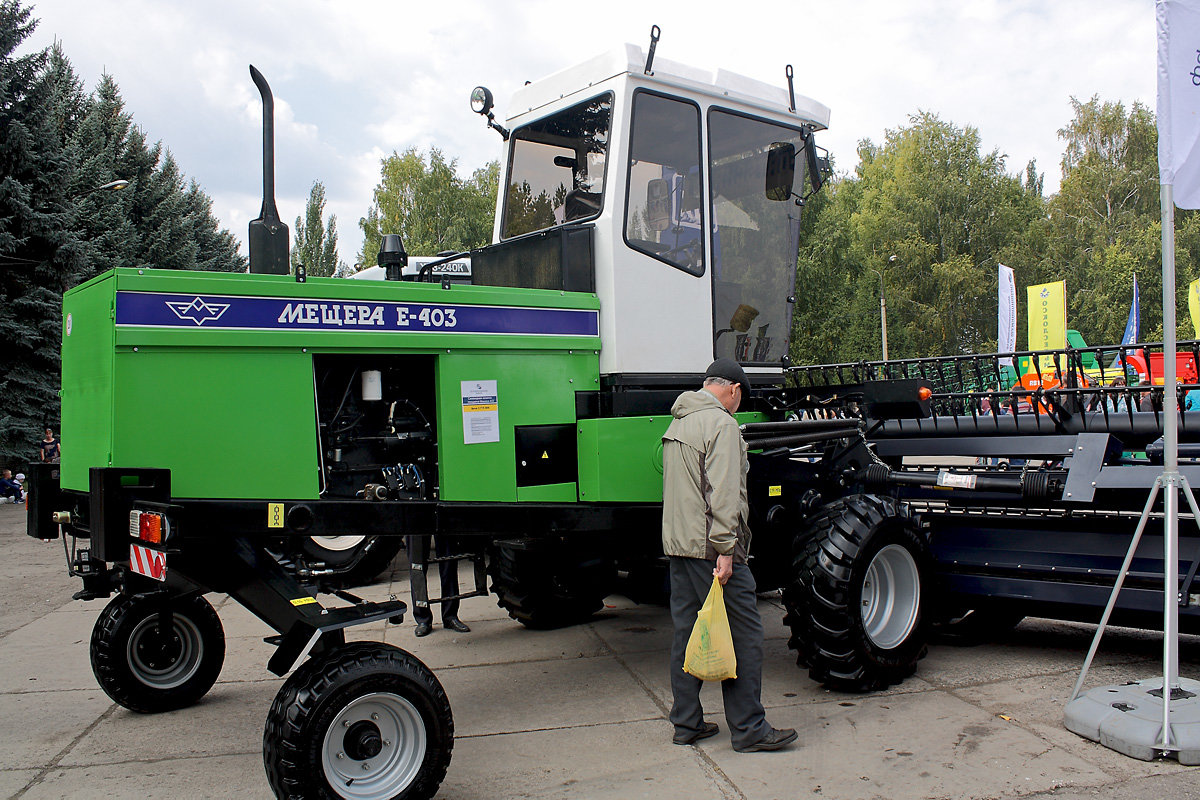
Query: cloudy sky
point(355, 80)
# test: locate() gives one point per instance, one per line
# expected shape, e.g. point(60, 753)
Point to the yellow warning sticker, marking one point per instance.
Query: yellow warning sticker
point(545, 454)
point(274, 515)
point(303, 601)
point(775, 491)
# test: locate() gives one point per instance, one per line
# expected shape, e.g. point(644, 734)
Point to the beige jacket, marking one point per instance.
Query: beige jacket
point(705, 507)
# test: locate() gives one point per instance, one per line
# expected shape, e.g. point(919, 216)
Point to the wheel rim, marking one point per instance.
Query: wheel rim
point(374, 747)
point(337, 543)
point(164, 662)
point(891, 597)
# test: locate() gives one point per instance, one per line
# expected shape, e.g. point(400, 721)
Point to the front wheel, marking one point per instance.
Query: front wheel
point(366, 721)
point(149, 667)
point(856, 605)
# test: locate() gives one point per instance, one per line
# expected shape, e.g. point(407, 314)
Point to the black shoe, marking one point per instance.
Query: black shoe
point(455, 624)
point(776, 739)
point(707, 729)
point(424, 629)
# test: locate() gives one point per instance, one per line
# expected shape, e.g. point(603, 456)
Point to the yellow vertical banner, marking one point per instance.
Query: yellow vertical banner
point(1194, 305)
point(1047, 320)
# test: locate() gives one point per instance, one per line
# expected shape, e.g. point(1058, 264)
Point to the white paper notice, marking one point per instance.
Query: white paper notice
point(481, 412)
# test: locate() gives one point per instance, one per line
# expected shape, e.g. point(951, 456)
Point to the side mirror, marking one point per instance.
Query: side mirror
point(658, 204)
point(781, 170)
point(817, 166)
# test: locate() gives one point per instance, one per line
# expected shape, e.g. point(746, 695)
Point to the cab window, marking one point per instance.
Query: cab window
point(663, 209)
point(556, 172)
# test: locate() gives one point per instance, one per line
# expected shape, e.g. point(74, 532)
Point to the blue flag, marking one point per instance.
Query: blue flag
point(1132, 324)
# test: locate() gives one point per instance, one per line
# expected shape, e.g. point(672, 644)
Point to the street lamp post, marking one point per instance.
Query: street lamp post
point(883, 308)
point(112, 186)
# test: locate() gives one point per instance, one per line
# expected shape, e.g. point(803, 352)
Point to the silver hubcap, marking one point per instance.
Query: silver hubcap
point(891, 597)
point(374, 748)
point(338, 543)
point(166, 659)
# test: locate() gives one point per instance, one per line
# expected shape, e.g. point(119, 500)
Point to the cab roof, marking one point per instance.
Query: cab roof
point(724, 86)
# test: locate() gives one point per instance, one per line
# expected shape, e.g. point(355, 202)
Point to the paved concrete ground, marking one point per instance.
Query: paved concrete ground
point(576, 713)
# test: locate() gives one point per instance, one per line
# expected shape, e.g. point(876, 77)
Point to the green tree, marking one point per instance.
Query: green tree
point(947, 212)
point(1104, 222)
point(316, 241)
point(38, 250)
point(422, 198)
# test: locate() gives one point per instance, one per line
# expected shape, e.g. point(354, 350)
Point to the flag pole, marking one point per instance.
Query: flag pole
point(1170, 479)
point(1126, 717)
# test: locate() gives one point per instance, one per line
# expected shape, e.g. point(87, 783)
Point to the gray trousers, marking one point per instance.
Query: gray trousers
point(691, 579)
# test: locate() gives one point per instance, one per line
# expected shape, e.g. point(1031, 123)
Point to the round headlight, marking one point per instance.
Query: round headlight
point(481, 100)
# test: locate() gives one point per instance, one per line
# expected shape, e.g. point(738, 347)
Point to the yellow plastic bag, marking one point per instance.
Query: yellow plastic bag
point(709, 654)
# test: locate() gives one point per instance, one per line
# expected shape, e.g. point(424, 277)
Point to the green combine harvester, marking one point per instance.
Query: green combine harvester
point(275, 438)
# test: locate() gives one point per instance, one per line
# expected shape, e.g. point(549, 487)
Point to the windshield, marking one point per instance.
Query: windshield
point(556, 174)
point(754, 240)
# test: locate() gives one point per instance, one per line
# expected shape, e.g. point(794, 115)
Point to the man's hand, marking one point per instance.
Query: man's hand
point(724, 569)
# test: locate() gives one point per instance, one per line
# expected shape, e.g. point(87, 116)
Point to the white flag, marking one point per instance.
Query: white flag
point(1006, 323)
point(1179, 99)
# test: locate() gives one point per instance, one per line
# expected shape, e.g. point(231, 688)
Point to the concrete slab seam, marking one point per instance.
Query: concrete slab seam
point(555, 728)
point(715, 774)
point(1050, 745)
point(53, 763)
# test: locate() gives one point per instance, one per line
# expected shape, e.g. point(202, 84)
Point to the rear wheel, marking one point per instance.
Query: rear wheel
point(855, 606)
point(148, 667)
point(366, 721)
point(550, 583)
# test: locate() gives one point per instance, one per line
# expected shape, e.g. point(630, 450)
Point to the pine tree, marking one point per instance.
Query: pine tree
point(38, 251)
point(316, 241)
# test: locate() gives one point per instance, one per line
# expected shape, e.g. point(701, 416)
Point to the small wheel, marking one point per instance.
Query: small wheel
point(355, 560)
point(146, 669)
point(366, 721)
point(856, 605)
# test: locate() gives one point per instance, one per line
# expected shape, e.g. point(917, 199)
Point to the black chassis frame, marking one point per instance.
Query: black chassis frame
point(222, 545)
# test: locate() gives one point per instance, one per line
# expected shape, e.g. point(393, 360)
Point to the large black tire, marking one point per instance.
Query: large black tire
point(366, 721)
point(355, 560)
point(546, 584)
point(856, 607)
point(145, 671)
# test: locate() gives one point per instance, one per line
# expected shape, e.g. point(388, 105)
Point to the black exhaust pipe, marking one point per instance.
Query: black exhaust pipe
point(268, 234)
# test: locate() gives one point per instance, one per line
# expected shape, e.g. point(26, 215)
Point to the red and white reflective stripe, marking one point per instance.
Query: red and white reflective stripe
point(151, 563)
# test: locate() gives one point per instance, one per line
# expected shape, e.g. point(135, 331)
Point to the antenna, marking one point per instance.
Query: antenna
point(655, 32)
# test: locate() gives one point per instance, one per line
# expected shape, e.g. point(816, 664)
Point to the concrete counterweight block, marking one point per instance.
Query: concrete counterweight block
point(1128, 719)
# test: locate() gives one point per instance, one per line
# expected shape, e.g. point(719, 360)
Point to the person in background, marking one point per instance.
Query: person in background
point(10, 490)
point(448, 570)
point(51, 448)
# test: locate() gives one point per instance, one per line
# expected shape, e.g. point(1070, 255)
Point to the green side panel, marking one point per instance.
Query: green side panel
point(532, 388)
point(620, 459)
point(87, 380)
point(550, 493)
point(236, 424)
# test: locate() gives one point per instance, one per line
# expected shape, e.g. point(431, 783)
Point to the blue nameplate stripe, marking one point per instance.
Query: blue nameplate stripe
point(231, 312)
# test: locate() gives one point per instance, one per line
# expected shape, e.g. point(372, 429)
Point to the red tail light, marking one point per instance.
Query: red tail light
point(148, 526)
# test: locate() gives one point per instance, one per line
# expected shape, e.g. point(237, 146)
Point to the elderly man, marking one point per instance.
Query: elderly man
point(705, 534)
